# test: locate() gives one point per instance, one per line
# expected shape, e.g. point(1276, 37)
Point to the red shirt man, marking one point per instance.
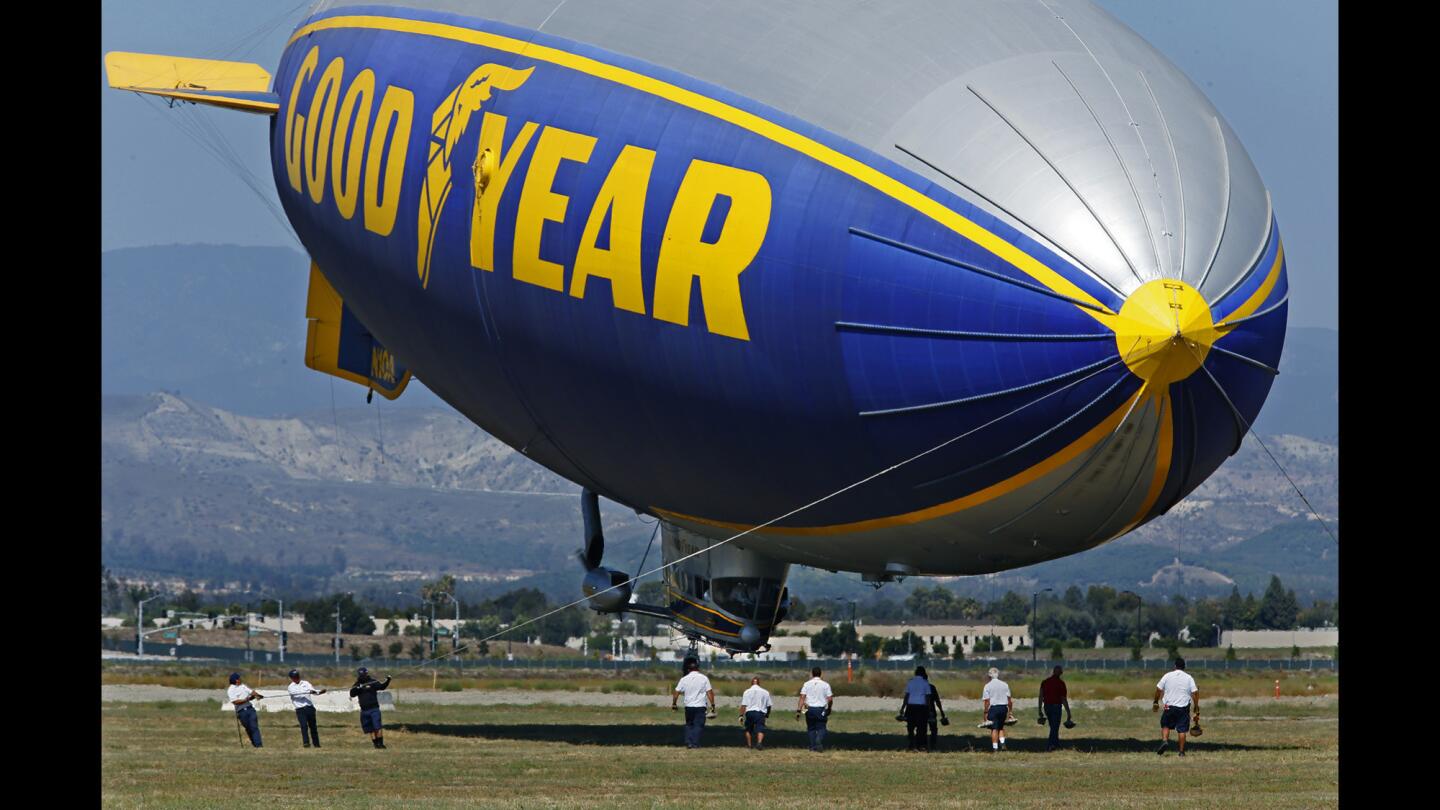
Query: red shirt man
point(1054, 695)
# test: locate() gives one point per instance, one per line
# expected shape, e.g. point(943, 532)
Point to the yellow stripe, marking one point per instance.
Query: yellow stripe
point(1166, 425)
point(767, 129)
point(1014, 482)
point(698, 623)
point(1254, 301)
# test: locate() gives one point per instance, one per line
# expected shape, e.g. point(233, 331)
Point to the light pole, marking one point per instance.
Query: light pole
point(1034, 614)
point(1217, 634)
point(282, 630)
point(140, 624)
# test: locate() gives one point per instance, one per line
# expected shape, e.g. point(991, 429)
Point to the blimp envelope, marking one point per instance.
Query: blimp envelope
point(277, 700)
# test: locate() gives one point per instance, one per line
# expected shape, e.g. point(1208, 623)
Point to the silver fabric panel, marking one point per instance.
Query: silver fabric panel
point(1124, 174)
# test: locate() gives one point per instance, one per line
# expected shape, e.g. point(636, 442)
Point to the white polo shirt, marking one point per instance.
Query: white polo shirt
point(238, 691)
point(756, 699)
point(694, 686)
point(300, 694)
point(1178, 687)
point(816, 692)
point(997, 692)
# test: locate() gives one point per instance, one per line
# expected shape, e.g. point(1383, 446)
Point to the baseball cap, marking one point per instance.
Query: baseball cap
point(234, 677)
point(294, 673)
point(994, 672)
point(361, 671)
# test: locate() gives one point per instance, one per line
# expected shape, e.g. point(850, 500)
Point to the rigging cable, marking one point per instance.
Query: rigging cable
point(777, 519)
point(1250, 430)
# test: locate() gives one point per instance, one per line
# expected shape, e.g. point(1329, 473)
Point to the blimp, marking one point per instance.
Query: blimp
point(920, 288)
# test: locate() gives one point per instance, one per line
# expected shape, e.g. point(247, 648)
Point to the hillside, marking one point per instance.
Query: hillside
point(197, 492)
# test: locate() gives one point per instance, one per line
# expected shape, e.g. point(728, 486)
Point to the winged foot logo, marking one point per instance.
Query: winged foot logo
point(449, 123)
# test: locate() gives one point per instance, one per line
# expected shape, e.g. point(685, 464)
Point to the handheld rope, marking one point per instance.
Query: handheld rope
point(584, 599)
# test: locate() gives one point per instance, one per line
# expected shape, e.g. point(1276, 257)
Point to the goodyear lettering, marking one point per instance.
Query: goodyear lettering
point(327, 147)
point(482, 224)
point(685, 255)
point(714, 229)
point(622, 198)
point(539, 203)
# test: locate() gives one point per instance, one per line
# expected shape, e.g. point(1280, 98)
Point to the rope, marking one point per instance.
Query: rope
point(646, 555)
point(379, 433)
point(769, 522)
point(199, 128)
point(335, 415)
point(1251, 431)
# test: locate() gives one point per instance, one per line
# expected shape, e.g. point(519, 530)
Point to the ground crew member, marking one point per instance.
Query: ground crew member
point(1180, 694)
point(240, 697)
point(817, 699)
point(300, 692)
point(697, 691)
point(936, 705)
point(755, 707)
point(1054, 695)
point(997, 708)
point(917, 710)
point(368, 690)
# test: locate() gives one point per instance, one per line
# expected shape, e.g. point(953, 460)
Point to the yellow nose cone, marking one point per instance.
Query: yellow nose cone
point(1164, 331)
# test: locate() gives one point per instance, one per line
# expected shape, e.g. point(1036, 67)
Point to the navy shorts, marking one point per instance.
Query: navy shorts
point(1176, 717)
point(997, 716)
point(754, 722)
point(369, 720)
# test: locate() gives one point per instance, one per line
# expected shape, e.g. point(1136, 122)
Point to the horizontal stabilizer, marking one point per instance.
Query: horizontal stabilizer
point(339, 345)
point(233, 85)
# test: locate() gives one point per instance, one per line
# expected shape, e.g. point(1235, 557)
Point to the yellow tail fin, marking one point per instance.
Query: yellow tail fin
point(234, 85)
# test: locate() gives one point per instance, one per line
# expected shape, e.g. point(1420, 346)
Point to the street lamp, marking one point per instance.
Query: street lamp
point(1034, 614)
point(140, 624)
point(1217, 634)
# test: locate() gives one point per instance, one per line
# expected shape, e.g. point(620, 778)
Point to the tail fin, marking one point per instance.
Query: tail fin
point(234, 85)
point(339, 345)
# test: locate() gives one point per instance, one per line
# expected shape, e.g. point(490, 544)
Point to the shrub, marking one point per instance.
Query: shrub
point(1230, 653)
point(882, 684)
point(1056, 651)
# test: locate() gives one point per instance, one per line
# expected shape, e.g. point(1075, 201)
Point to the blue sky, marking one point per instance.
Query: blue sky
point(1270, 66)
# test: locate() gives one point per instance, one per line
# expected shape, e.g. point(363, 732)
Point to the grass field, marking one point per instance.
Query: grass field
point(188, 755)
point(1083, 685)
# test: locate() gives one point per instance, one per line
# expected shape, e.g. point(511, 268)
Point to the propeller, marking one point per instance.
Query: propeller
point(599, 584)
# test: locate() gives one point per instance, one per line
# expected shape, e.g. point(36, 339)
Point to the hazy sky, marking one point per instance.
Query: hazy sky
point(1269, 66)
